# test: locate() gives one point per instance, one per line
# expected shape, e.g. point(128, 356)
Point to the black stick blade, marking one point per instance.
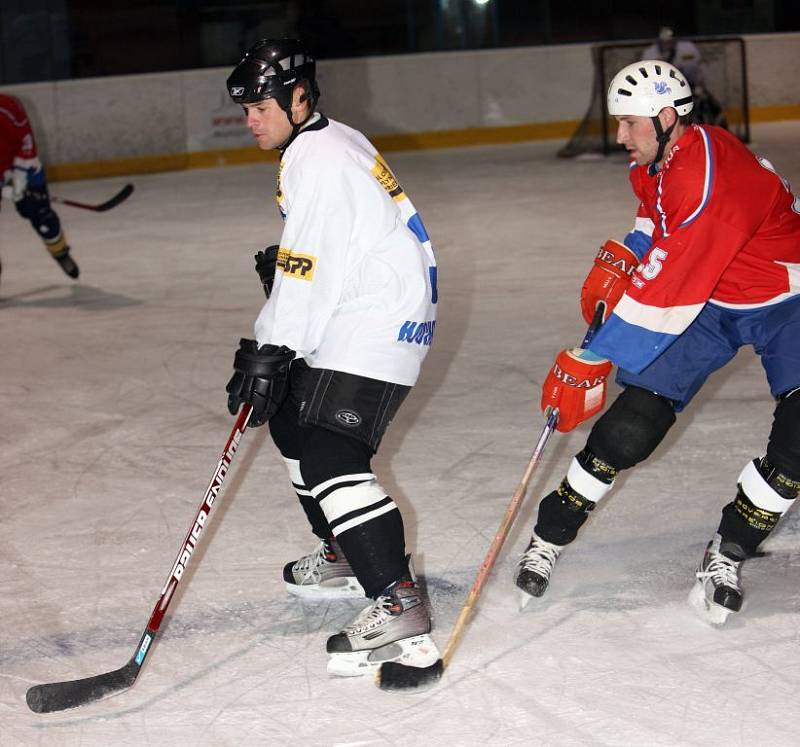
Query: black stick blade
point(58, 696)
point(395, 676)
point(123, 194)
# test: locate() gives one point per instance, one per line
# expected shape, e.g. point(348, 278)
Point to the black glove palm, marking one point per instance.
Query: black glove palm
point(260, 379)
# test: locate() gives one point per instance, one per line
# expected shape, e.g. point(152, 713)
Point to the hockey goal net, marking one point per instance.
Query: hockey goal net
point(725, 102)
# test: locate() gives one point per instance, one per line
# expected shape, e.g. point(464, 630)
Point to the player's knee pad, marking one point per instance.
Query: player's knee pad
point(336, 471)
point(327, 455)
point(631, 428)
point(35, 207)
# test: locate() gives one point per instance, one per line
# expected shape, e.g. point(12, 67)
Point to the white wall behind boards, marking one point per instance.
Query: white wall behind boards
point(168, 114)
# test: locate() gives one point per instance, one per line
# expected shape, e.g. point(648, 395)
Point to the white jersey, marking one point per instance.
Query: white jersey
point(355, 286)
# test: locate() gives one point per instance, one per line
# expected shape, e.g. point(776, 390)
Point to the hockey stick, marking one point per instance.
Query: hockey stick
point(121, 196)
point(58, 696)
point(396, 676)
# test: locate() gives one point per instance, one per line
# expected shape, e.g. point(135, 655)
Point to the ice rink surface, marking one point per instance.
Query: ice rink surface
point(113, 418)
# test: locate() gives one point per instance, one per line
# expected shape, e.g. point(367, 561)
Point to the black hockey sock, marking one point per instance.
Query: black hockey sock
point(745, 525)
point(748, 524)
point(376, 551)
point(319, 524)
point(561, 514)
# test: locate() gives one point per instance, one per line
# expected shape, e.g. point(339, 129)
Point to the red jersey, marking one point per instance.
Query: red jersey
point(17, 146)
point(715, 225)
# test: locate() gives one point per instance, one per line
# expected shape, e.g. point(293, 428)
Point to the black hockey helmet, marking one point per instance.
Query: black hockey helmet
point(270, 69)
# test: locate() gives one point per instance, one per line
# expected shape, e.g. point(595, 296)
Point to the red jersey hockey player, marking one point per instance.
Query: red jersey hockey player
point(25, 184)
point(712, 264)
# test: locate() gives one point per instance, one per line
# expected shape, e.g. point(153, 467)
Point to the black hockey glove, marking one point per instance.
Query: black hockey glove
point(266, 261)
point(260, 378)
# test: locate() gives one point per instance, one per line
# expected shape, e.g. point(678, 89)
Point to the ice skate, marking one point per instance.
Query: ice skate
point(322, 574)
point(717, 593)
point(66, 263)
point(395, 627)
point(534, 568)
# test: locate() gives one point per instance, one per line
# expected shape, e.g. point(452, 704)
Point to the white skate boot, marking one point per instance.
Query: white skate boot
point(395, 627)
point(534, 568)
point(322, 574)
point(717, 593)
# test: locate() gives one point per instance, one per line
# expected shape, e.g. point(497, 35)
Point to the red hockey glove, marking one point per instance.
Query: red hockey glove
point(576, 386)
point(608, 278)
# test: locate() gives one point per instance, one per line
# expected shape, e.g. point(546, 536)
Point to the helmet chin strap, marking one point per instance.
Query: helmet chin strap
point(662, 137)
point(295, 126)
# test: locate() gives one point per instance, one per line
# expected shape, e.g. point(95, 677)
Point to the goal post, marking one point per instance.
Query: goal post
point(723, 100)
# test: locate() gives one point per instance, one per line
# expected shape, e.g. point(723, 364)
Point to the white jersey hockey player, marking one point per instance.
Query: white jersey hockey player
point(350, 315)
point(363, 301)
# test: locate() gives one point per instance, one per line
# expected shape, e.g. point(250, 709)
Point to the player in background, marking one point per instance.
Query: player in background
point(349, 318)
point(712, 264)
point(681, 53)
point(685, 56)
point(25, 183)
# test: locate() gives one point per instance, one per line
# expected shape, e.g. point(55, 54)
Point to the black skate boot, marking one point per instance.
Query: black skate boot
point(534, 568)
point(717, 593)
point(66, 263)
point(322, 574)
point(395, 627)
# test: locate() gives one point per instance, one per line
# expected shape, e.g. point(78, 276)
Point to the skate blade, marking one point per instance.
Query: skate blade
point(346, 587)
point(418, 651)
point(713, 614)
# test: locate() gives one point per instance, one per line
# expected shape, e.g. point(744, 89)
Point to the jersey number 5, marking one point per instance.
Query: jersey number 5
point(654, 263)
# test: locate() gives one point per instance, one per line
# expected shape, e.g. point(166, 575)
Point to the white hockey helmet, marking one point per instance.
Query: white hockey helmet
point(645, 88)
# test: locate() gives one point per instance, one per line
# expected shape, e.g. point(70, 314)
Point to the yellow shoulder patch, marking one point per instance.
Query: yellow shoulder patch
point(300, 266)
point(386, 178)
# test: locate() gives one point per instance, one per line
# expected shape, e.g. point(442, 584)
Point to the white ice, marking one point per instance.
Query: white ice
point(113, 418)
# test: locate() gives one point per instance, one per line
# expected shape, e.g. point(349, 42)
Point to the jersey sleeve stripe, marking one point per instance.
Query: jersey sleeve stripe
point(28, 164)
point(636, 334)
point(639, 243)
point(630, 347)
point(671, 320)
point(644, 225)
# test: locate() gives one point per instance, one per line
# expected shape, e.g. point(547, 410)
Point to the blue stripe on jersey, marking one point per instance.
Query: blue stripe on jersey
point(638, 242)
point(708, 181)
point(629, 346)
point(415, 224)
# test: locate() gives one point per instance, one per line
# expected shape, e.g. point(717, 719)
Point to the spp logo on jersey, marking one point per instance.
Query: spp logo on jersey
point(300, 266)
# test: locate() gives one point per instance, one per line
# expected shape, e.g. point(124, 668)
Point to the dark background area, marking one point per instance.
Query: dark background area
point(61, 39)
